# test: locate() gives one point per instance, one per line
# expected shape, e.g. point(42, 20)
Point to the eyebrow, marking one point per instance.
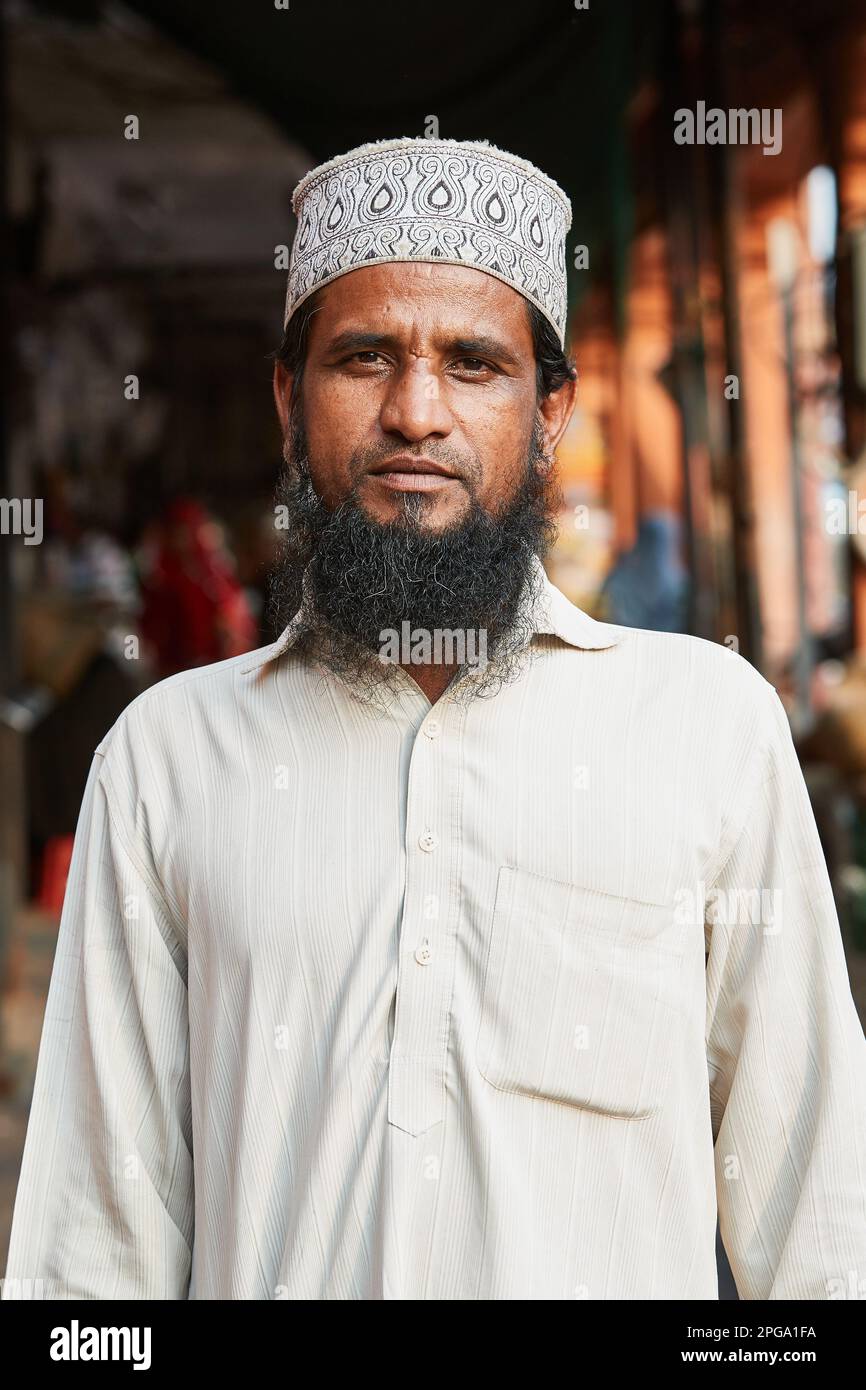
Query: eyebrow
point(481, 346)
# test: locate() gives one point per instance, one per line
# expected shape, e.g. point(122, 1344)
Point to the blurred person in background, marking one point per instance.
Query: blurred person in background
point(194, 610)
point(77, 676)
point(648, 585)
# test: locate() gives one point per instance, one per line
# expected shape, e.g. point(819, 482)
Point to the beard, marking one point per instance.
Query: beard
point(349, 580)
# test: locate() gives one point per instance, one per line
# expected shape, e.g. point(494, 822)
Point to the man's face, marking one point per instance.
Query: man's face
point(416, 486)
point(419, 389)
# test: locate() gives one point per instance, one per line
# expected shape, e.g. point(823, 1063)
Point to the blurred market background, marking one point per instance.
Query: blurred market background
point(715, 470)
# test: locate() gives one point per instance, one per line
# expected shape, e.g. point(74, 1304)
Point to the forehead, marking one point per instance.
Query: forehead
point(447, 299)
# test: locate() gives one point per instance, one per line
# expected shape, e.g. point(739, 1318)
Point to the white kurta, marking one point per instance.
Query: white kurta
point(414, 1005)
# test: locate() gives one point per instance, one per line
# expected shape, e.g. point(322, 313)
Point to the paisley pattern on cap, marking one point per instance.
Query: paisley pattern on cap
point(452, 201)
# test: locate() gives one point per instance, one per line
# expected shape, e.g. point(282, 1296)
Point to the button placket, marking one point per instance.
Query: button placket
point(416, 1094)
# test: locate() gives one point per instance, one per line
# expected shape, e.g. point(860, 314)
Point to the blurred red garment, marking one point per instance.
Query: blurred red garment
point(54, 871)
point(194, 610)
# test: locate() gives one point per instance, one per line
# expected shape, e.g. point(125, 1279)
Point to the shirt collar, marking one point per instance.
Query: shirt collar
point(554, 615)
point(558, 616)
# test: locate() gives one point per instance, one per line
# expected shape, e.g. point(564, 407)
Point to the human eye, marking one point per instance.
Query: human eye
point(366, 357)
point(473, 366)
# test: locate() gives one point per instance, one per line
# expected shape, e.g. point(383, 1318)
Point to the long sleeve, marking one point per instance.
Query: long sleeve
point(785, 1050)
point(105, 1205)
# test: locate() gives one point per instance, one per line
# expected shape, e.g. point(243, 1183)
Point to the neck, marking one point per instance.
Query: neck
point(431, 678)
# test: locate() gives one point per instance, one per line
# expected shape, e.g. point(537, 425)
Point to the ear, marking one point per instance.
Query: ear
point(556, 410)
point(283, 381)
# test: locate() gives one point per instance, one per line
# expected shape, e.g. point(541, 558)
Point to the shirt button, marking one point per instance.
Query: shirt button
point(423, 955)
point(428, 840)
point(432, 728)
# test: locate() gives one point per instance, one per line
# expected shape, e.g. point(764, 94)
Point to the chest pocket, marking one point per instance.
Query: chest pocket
point(582, 996)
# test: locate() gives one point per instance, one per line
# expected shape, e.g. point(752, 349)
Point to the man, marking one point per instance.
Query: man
point(382, 971)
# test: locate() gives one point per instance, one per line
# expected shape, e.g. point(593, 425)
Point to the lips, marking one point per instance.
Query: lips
point(412, 465)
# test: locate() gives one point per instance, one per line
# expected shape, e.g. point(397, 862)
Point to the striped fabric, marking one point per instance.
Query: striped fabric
point(354, 1004)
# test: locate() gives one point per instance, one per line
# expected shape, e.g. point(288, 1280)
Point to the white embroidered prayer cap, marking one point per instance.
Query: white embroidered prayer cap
point(455, 202)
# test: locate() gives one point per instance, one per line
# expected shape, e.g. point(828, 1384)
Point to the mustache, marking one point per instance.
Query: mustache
point(466, 468)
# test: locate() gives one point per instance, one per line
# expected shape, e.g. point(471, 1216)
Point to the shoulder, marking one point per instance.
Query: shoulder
point(720, 694)
point(714, 663)
point(166, 710)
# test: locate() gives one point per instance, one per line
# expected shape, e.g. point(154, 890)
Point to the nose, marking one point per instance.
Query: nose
point(414, 405)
